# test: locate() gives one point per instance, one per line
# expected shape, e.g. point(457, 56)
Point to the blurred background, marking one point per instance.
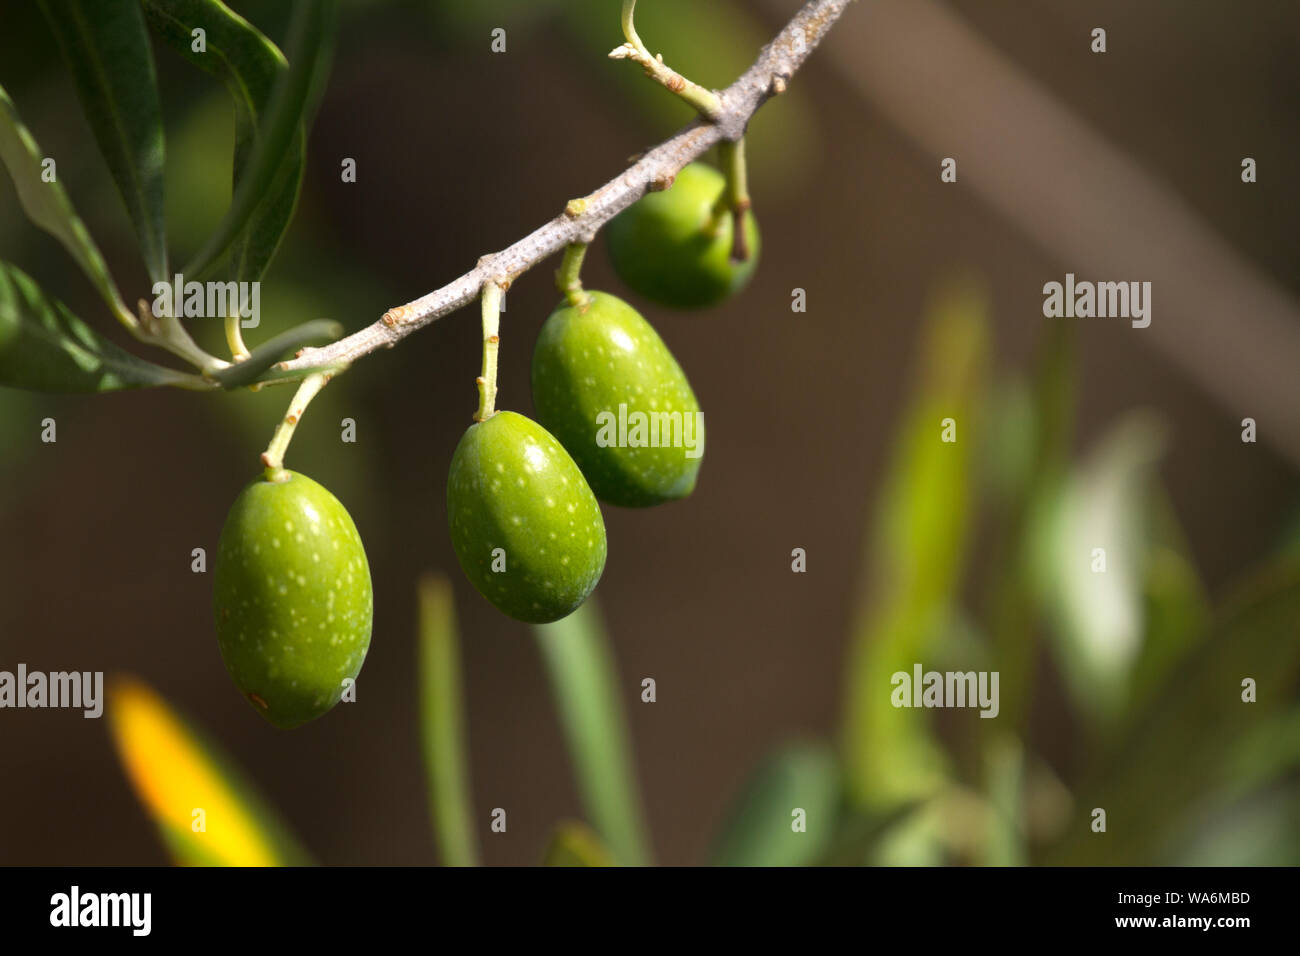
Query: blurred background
point(924, 299)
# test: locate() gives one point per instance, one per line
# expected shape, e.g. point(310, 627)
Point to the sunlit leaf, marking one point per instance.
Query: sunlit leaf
point(442, 725)
point(762, 828)
point(45, 348)
point(250, 66)
point(48, 206)
point(175, 774)
point(106, 46)
point(1095, 550)
point(585, 686)
point(915, 559)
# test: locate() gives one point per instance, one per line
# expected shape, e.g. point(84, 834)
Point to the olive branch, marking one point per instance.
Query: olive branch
point(724, 116)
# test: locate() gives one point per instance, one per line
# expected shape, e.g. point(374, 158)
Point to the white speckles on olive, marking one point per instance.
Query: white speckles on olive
point(268, 602)
point(641, 374)
point(521, 517)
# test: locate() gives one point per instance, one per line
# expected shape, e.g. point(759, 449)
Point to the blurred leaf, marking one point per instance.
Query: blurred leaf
point(250, 65)
point(1263, 830)
point(915, 560)
point(1187, 745)
point(1176, 609)
point(280, 125)
point(274, 349)
point(106, 45)
point(948, 827)
point(442, 724)
point(175, 772)
point(45, 348)
point(759, 828)
point(1033, 428)
point(574, 844)
point(586, 690)
point(48, 205)
point(1098, 615)
point(1004, 843)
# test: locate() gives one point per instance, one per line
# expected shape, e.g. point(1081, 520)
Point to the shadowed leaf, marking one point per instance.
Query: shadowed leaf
point(106, 46)
point(45, 348)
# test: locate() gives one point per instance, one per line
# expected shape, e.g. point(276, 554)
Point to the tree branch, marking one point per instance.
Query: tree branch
point(582, 218)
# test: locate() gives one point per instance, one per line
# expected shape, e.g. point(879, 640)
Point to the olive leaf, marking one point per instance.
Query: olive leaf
point(576, 844)
point(280, 121)
point(106, 46)
point(273, 350)
point(584, 684)
point(1195, 737)
point(442, 724)
point(48, 206)
point(250, 66)
point(915, 560)
point(175, 770)
point(760, 827)
point(45, 348)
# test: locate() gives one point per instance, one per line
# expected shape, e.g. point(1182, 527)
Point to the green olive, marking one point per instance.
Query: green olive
point(292, 598)
point(524, 524)
point(607, 387)
point(675, 247)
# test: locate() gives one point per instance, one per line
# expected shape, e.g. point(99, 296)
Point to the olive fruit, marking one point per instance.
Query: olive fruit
point(292, 598)
point(672, 247)
point(525, 526)
point(607, 387)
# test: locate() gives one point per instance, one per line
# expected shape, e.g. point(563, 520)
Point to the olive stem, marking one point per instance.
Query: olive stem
point(708, 103)
point(166, 331)
point(273, 457)
point(735, 197)
point(568, 278)
point(235, 338)
point(487, 382)
point(778, 62)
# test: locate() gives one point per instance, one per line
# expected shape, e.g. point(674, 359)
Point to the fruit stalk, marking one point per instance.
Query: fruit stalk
point(273, 457)
point(735, 198)
point(568, 278)
point(487, 382)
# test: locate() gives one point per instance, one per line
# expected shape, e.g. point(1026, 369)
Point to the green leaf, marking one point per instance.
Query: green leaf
point(45, 348)
point(106, 45)
point(279, 122)
point(48, 206)
point(915, 561)
point(575, 844)
point(760, 826)
point(250, 66)
point(1031, 439)
point(1191, 742)
point(585, 686)
point(274, 349)
point(442, 724)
